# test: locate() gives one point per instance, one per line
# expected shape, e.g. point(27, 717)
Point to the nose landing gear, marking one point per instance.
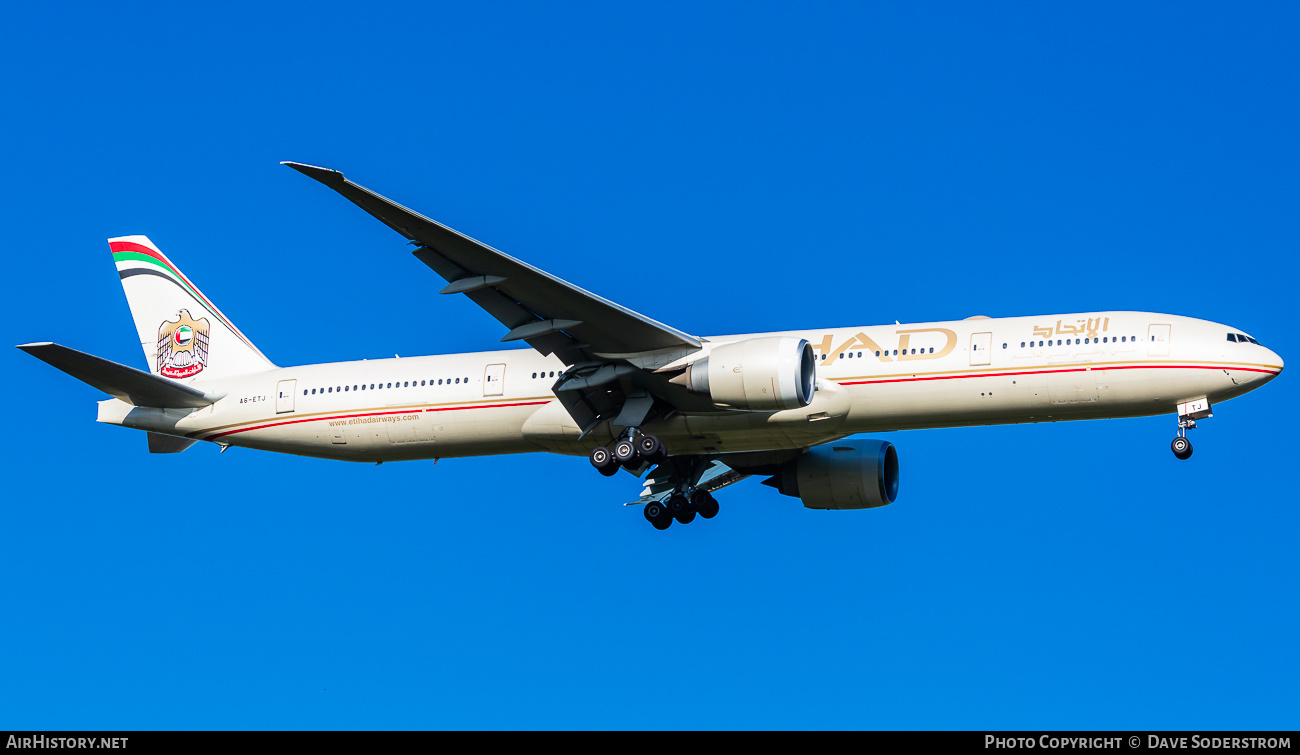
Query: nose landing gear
point(1188, 413)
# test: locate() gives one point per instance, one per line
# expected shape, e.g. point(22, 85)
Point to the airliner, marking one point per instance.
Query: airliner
point(687, 415)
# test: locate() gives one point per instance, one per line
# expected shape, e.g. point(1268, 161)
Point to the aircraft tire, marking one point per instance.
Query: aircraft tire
point(625, 452)
point(602, 459)
point(705, 503)
point(677, 505)
point(1182, 447)
point(649, 448)
point(656, 514)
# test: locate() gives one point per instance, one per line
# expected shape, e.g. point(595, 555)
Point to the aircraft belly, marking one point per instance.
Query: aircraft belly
point(945, 402)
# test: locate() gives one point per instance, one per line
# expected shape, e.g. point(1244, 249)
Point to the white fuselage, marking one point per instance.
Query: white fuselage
point(977, 371)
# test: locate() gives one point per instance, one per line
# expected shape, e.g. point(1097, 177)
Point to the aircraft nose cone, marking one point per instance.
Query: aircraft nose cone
point(1275, 360)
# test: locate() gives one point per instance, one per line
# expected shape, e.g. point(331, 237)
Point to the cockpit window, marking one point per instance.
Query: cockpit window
point(1232, 337)
point(1252, 340)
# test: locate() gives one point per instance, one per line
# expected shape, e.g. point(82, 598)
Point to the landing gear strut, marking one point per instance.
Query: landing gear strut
point(1181, 446)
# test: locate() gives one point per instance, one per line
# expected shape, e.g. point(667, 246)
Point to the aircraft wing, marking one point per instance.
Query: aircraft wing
point(551, 315)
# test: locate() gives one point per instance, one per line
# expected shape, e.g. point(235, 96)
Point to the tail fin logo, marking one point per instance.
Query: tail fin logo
point(183, 345)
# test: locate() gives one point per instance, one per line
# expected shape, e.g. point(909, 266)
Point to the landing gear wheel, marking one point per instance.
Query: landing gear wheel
point(656, 514)
point(680, 508)
point(705, 503)
point(1182, 447)
point(604, 461)
point(625, 452)
point(650, 449)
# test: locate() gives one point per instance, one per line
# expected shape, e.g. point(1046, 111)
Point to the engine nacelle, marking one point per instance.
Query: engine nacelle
point(847, 474)
point(761, 374)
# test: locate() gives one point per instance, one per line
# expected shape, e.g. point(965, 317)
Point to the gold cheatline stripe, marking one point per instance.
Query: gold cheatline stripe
point(410, 407)
point(1176, 362)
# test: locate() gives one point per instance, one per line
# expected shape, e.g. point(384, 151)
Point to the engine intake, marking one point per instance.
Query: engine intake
point(848, 474)
point(760, 374)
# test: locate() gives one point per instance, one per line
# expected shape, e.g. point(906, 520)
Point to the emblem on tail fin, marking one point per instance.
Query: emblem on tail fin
point(183, 346)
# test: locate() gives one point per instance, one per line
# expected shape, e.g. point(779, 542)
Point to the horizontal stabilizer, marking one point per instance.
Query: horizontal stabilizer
point(168, 444)
point(126, 383)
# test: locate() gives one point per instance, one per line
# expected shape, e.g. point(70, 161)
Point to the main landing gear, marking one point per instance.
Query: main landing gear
point(681, 507)
point(631, 452)
point(673, 483)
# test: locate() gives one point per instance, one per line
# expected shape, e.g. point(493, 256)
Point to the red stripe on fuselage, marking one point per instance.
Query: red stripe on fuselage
point(916, 378)
point(366, 414)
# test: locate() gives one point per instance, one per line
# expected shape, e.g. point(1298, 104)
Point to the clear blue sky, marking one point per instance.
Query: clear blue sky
point(720, 167)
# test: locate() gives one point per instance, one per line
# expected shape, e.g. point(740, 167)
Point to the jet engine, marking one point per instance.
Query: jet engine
point(760, 374)
point(847, 474)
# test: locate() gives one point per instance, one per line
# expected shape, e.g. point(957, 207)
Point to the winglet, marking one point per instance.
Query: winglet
point(324, 175)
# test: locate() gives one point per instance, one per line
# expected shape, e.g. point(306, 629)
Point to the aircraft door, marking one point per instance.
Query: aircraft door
point(981, 345)
point(1158, 341)
point(494, 380)
point(284, 393)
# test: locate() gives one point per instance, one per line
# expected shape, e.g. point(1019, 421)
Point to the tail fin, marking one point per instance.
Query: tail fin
point(182, 332)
